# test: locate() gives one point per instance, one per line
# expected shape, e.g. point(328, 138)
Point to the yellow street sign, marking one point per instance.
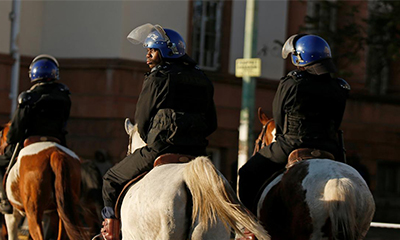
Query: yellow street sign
point(250, 67)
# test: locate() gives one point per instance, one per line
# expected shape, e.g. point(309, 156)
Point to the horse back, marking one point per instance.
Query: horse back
point(33, 166)
point(157, 200)
point(301, 200)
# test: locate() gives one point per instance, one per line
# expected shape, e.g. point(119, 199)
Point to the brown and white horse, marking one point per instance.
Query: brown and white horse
point(45, 177)
point(314, 199)
point(183, 201)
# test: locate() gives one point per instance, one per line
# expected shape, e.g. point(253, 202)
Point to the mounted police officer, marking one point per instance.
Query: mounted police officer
point(42, 112)
point(308, 108)
point(175, 113)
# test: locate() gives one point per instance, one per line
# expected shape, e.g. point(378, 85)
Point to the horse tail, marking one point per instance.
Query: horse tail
point(214, 198)
point(340, 202)
point(67, 189)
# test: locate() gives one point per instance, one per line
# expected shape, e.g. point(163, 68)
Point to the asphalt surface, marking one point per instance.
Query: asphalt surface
point(383, 234)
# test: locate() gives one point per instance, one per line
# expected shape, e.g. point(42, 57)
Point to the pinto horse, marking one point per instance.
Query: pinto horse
point(45, 178)
point(181, 201)
point(314, 198)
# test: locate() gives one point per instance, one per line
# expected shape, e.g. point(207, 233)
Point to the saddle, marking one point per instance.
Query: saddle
point(306, 153)
point(34, 139)
point(161, 160)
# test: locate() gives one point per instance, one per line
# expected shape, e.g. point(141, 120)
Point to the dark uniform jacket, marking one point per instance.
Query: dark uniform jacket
point(43, 110)
point(307, 110)
point(176, 105)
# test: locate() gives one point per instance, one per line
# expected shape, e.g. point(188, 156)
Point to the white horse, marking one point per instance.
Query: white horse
point(314, 199)
point(183, 201)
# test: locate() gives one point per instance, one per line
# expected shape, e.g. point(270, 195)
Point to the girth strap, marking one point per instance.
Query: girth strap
point(307, 153)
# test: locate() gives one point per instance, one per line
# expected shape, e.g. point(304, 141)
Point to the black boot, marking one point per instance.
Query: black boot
point(5, 206)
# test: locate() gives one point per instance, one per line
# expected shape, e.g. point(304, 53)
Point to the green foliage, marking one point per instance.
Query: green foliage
point(344, 34)
point(349, 36)
point(384, 29)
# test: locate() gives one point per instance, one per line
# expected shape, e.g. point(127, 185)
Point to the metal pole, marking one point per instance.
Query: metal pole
point(14, 51)
point(246, 135)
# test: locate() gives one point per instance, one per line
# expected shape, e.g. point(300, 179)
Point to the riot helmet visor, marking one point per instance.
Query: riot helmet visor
point(146, 34)
point(288, 47)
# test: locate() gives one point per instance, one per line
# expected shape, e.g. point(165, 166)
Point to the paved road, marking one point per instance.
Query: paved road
point(383, 234)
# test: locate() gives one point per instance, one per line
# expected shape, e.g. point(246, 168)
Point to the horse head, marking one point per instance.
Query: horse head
point(267, 134)
point(135, 141)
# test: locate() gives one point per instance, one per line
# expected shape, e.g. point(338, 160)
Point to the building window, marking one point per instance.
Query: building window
point(388, 184)
point(206, 39)
point(322, 15)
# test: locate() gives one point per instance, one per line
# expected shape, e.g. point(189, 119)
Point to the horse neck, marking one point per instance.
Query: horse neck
point(270, 134)
point(266, 136)
point(4, 132)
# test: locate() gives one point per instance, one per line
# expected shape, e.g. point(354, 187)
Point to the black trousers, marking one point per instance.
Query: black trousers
point(252, 177)
point(140, 161)
point(5, 159)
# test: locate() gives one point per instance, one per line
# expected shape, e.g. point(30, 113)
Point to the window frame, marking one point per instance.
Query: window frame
point(222, 57)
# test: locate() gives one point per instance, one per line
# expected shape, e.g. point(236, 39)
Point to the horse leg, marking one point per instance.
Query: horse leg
point(12, 221)
point(34, 213)
point(35, 226)
point(36, 198)
point(4, 234)
point(50, 224)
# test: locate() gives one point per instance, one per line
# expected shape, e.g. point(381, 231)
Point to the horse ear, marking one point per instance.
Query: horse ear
point(262, 116)
point(128, 126)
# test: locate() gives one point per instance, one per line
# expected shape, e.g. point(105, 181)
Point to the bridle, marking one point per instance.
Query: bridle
point(260, 142)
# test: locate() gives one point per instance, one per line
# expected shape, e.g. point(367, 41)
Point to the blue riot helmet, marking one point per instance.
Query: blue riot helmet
point(44, 68)
point(311, 52)
point(167, 41)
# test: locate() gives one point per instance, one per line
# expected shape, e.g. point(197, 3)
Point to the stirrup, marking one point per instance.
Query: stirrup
point(98, 237)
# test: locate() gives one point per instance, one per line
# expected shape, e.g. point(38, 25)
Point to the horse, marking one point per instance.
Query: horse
point(91, 198)
point(313, 199)
point(46, 177)
point(191, 200)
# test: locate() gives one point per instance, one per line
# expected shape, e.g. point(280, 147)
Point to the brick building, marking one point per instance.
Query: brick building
point(105, 73)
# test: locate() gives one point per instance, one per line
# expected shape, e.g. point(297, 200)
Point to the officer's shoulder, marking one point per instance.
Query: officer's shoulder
point(26, 98)
point(164, 68)
point(158, 71)
point(343, 84)
point(296, 75)
point(63, 88)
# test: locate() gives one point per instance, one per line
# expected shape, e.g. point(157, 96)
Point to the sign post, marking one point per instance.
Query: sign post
point(14, 51)
point(247, 111)
point(248, 67)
